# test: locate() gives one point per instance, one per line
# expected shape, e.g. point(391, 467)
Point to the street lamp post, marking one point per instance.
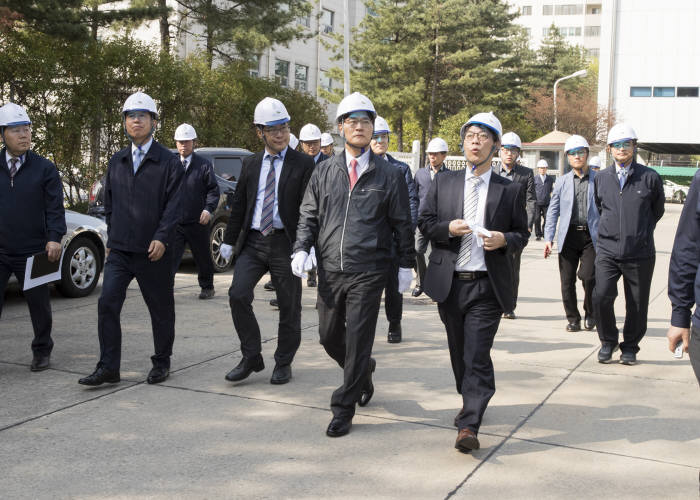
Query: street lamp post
point(581, 72)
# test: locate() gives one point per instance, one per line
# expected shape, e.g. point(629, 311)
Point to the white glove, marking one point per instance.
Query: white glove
point(311, 261)
point(226, 251)
point(405, 278)
point(298, 264)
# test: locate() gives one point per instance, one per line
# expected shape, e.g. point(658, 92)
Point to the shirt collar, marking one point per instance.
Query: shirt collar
point(619, 167)
point(362, 160)
point(144, 147)
point(187, 159)
point(8, 158)
point(281, 154)
point(316, 157)
point(485, 177)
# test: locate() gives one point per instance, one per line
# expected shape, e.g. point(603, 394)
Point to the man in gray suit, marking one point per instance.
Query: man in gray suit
point(572, 202)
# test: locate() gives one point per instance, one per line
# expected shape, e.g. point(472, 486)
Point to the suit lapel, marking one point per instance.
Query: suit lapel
point(459, 194)
point(493, 198)
point(255, 174)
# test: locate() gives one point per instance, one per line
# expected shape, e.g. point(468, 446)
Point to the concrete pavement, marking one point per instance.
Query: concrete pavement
point(560, 424)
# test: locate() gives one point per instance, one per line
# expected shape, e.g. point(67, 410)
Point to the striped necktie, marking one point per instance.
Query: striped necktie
point(471, 200)
point(138, 158)
point(269, 199)
point(623, 177)
point(13, 170)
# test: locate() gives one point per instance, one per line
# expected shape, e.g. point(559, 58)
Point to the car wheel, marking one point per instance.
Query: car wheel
point(81, 268)
point(216, 238)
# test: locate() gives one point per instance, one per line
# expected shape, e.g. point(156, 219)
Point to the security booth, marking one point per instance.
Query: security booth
point(550, 147)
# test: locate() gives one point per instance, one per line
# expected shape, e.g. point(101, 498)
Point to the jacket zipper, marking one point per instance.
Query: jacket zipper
point(345, 220)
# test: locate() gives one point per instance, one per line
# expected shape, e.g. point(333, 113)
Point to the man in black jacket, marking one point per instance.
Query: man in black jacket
point(474, 220)
point(141, 200)
point(32, 220)
point(354, 205)
point(198, 200)
point(523, 176)
point(260, 233)
point(543, 189)
point(630, 200)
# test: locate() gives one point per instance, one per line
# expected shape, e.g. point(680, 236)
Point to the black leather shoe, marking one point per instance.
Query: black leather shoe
point(574, 326)
point(99, 377)
point(245, 368)
point(206, 293)
point(628, 358)
point(606, 352)
point(589, 323)
point(281, 374)
point(269, 286)
point(158, 374)
point(274, 303)
point(394, 334)
point(538, 238)
point(40, 362)
point(417, 291)
point(338, 427)
point(368, 389)
point(509, 315)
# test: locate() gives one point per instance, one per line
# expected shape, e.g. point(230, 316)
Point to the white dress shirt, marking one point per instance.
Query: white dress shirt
point(362, 162)
point(186, 161)
point(8, 158)
point(264, 169)
point(476, 260)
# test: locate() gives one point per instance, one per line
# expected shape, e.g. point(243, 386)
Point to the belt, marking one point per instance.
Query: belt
point(470, 275)
point(578, 228)
point(274, 230)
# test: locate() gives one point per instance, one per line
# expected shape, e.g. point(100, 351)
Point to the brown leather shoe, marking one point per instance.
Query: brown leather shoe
point(466, 441)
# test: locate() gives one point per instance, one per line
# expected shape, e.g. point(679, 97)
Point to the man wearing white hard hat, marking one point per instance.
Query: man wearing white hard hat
point(259, 235)
point(199, 199)
point(543, 192)
point(393, 300)
point(32, 221)
point(142, 209)
point(355, 205)
point(327, 144)
point(594, 163)
point(474, 219)
point(523, 176)
point(630, 199)
point(574, 207)
point(310, 140)
point(437, 152)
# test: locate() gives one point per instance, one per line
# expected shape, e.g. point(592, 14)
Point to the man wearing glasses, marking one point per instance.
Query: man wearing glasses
point(260, 233)
point(573, 205)
point(630, 199)
point(510, 169)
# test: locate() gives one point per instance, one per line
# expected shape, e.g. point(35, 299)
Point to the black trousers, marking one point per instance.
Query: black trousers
point(348, 307)
point(577, 252)
point(393, 300)
point(197, 235)
point(421, 248)
point(694, 351)
point(259, 255)
point(515, 263)
point(471, 314)
point(37, 299)
point(155, 280)
point(636, 277)
point(540, 219)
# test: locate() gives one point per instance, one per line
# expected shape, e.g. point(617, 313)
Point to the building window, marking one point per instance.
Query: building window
point(254, 70)
point(526, 10)
point(304, 21)
point(301, 76)
point(326, 82)
point(528, 32)
point(547, 10)
point(687, 92)
point(640, 91)
point(570, 31)
point(282, 72)
point(592, 31)
point(593, 52)
point(664, 91)
point(594, 9)
point(327, 18)
point(568, 10)
point(545, 31)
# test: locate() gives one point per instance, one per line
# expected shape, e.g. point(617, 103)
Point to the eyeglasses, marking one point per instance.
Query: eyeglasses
point(622, 145)
point(481, 136)
point(278, 130)
point(577, 152)
point(137, 115)
point(355, 122)
point(511, 149)
point(380, 137)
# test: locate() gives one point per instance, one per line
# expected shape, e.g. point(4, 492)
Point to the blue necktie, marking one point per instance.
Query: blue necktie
point(138, 158)
point(623, 177)
point(269, 199)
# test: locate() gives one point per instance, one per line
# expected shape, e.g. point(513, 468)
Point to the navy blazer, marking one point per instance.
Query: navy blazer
point(562, 205)
point(200, 191)
point(525, 178)
point(543, 189)
point(423, 180)
point(410, 184)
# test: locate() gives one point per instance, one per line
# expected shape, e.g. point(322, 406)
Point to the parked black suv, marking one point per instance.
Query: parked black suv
point(227, 167)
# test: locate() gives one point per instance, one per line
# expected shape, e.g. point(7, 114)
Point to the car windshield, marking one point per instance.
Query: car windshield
point(228, 168)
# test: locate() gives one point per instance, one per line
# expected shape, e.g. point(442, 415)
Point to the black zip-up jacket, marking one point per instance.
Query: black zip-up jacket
point(628, 216)
point(31, 208)
point(200, 191)
point(142, 207)
point(353, 231)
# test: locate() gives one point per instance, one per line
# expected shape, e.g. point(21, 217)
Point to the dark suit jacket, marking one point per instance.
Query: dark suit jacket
point(296, 170)
point(200, 191)
point(504, 212)
point(525, 178)
point(543, 190)
point(423, 180)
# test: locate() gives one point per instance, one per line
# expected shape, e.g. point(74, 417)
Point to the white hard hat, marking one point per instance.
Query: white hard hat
point(355, 102)
point(437, 145)
point(310, 132)
point(270, 112)
point(594, 161)
point(293, 141)
point(326, 139)
point(511, 139)
point(575, 142)
point(488, 120)
point(621, 132)
point(140, 102)
point(381, 126)
point(12, 114)
point(542, 163)
point(185, 132)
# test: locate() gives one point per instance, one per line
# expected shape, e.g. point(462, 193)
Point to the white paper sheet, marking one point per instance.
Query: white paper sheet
point(40, 280)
